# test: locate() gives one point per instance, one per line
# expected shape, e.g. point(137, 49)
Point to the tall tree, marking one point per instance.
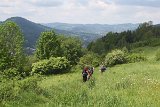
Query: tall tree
point(11, 46)
point(72, 49)
point(47, 45)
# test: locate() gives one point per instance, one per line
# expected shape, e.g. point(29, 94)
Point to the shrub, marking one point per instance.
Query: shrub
point(115, 57)
point(13, 89)
point(7, 91)
point(89, 59)
point(135, 58)
point(11, 73)
point(27, 68)
point(158, 56)
point(59, 64)
point(54, 65)
point(30, 84)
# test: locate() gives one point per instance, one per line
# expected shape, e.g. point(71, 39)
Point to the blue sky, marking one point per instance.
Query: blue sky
point(82, 11)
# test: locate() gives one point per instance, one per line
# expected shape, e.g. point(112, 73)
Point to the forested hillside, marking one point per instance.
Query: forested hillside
point(86, 33)
point(145, 35)
point(32, 31)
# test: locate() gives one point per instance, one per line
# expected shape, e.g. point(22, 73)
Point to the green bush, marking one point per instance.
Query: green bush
point(13, 89)
point(11, 73)
point(27, 68)
point(54, 65)
point(90, 59)
point(115, 57)
point(135, 58)
point(30, 84)
point(158, 56)
point(7, 91)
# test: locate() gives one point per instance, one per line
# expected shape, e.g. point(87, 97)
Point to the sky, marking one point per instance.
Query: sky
point(82, 11)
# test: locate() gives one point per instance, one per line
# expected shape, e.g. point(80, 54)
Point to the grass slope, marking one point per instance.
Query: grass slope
point(126, 85)
point(135, 84)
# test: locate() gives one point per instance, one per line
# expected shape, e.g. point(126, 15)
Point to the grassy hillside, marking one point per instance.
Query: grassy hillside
point(126, 85)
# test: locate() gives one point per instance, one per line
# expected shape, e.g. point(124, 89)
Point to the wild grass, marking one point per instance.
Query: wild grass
point(126, 85)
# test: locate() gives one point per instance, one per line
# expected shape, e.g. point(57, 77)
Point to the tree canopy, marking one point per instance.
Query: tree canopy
point(145, 34)
point(11, 43)
point(47, 45)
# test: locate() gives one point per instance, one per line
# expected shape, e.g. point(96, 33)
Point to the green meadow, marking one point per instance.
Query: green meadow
point(126, 85)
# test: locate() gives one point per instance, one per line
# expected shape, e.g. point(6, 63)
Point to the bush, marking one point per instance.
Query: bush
point(13, 89)
point(158, 56)
point(11, 73)
point(90, 59)
point(7, 91)
point(115, 57)
point(30, 84)
point(135, 58)
point(27, 68)
point(54, 65)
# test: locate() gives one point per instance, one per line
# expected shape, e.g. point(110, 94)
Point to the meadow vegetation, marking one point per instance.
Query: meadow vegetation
point(54, 78)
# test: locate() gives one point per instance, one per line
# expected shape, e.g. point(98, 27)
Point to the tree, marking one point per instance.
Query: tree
point(89, 59)
point(47, 45)
point(11, 44)
point(71, 48)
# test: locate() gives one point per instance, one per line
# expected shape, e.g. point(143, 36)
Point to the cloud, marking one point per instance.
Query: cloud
point(82, 11)
point(46, 3)
point(148, 3)
point(4, 5)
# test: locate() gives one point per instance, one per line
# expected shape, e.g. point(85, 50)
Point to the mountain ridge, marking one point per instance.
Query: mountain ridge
point(87, 32)
point(92, 28)
point(32, 30)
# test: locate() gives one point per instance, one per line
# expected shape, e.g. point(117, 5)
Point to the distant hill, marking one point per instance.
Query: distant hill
point(158, 25)
point(100, 29)
point(32, 31)
point(86, 32)
point(145, 35)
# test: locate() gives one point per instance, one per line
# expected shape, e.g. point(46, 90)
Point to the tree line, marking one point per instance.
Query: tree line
point(50, 47)
point(145, 34)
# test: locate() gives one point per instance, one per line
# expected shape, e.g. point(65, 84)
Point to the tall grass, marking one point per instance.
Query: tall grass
point(126, 85)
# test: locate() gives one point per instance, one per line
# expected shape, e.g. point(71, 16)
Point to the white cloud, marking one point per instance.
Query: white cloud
point(46, 3)
point(82, 11)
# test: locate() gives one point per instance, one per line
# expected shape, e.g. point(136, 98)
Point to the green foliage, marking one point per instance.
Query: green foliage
point(30, 84)
point(71, 48)
point(127, 85)
point(90, 59)
point(47, 45)
point(11, 73)
point(54, 65)
point(120, 57)
point(51, 45)
point(11, 43)
point(13, 89)
point(115, 57)
point(145, 35)
point(7, 91)
point(27, 68)
point(158, 55)
point(135, 58)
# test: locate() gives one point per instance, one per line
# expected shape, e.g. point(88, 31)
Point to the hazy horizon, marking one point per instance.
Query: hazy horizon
point(71, 23)
point(83, 11)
